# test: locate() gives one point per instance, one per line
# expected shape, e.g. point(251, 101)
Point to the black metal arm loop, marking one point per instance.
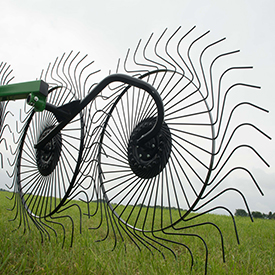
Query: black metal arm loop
point(100, 86)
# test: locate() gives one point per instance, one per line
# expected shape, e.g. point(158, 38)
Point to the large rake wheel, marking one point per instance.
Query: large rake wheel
point(165, 171)
point(47, 178)
point(159, 190)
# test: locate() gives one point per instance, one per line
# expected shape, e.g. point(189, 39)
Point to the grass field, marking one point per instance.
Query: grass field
point(25, 254)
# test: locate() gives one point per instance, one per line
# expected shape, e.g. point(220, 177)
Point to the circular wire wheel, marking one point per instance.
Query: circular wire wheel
point(45, 176)
point(143, 182)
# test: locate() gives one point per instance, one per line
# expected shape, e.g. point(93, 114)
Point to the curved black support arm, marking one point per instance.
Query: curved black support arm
point(100, 86)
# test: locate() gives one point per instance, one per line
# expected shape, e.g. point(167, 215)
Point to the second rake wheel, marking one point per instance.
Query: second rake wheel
point(46, 176)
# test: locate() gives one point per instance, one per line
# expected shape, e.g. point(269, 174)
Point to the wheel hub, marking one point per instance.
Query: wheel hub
point(47, 157)
point(148, 160)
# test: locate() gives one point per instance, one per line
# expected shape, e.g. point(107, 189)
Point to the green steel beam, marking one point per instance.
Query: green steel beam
point(34, 91)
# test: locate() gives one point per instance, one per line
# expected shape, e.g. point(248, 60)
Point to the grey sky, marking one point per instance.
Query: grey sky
point(34, 32)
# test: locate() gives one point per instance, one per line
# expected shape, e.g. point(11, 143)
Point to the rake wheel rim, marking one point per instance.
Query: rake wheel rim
point(55, 181)
point(205, 178)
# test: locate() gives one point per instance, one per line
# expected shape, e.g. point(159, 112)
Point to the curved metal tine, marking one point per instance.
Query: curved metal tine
point(41, 228)
point(227, 174)
point(59, 224)
point(126, 59)
point(13, 194)
point(27, 109)
point(185, 227)
point(1, 160)
point(58, 80)
point(131, 236)
point(225, 162)
point(199, 237)
point(77, 196)
point(5, 72)
point(204, 97)
point(240, 125)
point(152, 231)
point(218, 208)
point(225, 148)
point(157, 63)
point(173, 70)
point(241, 146)
point(5, 81)
point(132, 232)
point(68, 78)
point(65, 82)
point(15, 153)
point(99, 210)
point(114, 228)
point(125, 230)
point(14, 207)
point(3, 67)
point(10, 176)
point(72, 225)
point(194, 70)
point(178, 45)
point(103, 214)
point(221, 207)
point(143, 55)
point(6, 113)
point(74, 84)
point(202, 224)
point(175, 242)
point(224, 133)
point(143, 227)
point(69, 201)
point(176, 63)
point(45, 76)
point(108, 221)
point(83, 94)
point(197, 90)
point(52, 229)
point(136, 233)
point(21, 214)
point(136, 73)
point(4, 141)
point(64, 208)
point(148, 244)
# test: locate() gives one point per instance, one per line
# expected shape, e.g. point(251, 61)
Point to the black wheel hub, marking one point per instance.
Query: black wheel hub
point(148, 160)
point(47, 157)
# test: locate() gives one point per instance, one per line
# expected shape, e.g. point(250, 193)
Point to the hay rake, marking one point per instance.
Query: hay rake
point(149, 145)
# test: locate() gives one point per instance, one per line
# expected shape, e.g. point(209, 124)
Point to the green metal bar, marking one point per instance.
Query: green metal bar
point(34, 91)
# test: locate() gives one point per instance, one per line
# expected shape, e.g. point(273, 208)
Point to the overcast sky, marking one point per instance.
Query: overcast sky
point(34, 32)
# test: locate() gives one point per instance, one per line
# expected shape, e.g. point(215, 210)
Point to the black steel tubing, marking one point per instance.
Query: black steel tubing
point(100, 86)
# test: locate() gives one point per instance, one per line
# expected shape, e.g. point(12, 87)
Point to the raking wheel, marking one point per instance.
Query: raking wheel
point(46, 176)
point(158, 192)
point(163, 172)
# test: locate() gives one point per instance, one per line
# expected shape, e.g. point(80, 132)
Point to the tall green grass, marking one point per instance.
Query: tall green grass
point(23, 253)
